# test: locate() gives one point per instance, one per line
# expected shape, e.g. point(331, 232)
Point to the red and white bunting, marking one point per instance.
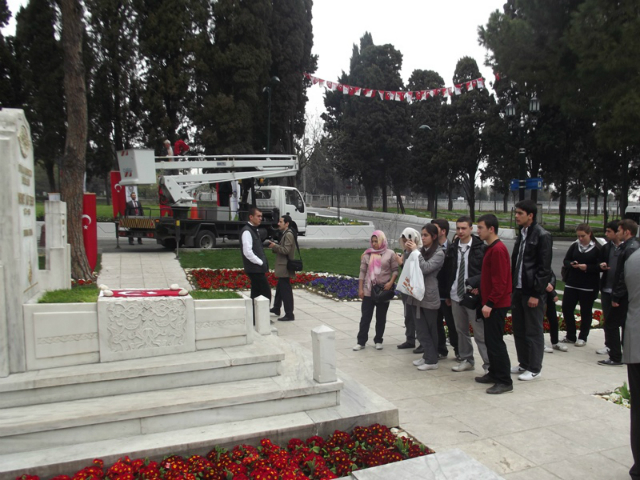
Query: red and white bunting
point(409, 96)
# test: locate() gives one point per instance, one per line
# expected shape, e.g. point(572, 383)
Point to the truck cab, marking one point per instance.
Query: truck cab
point(287, 200)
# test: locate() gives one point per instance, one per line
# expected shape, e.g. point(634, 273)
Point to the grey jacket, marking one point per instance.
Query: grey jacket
point(284, 251)
point(430, 269)
point(631, 350)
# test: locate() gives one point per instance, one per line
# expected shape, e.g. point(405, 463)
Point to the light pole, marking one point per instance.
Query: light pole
point(272, 82)
point(434, 212)
point(510, 110)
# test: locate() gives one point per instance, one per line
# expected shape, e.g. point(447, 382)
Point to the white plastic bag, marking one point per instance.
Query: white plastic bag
point(411, 280)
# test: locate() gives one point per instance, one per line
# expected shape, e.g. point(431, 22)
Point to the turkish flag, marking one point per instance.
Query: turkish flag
point(90, 229)
point(118, 195)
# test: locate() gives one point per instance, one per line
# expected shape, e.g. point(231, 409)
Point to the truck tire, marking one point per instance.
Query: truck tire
point(205, 239)
point(168, 243)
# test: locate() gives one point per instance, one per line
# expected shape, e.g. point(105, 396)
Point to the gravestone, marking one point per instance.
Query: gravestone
point(18, 239)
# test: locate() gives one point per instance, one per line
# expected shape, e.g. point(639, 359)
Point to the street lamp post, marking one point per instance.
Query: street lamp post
point(272, 82)
point(534, 107)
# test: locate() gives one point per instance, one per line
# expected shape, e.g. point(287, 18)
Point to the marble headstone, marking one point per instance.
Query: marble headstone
point(18, 241)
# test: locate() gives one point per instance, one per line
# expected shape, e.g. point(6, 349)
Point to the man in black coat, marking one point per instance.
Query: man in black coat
point(531, 272)
point(134, 208)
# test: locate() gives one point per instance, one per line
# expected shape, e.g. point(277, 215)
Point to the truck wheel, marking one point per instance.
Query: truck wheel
point(205, 239)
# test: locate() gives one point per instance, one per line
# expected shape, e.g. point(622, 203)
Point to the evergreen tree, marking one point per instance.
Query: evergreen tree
point(39, 55)
point(231, 72)
point(291, 38)
point(9, 84)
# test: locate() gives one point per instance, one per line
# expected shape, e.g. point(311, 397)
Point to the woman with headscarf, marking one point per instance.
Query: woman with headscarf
point(378, 266)
point(431, 259)
point(409, 313)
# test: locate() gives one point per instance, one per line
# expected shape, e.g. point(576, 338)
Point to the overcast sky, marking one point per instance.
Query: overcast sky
point(432, 35)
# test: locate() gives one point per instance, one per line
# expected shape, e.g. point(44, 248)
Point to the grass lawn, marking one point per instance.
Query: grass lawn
point(78, 294)
point(213, 295)
point(341, 261)
point(103, 212)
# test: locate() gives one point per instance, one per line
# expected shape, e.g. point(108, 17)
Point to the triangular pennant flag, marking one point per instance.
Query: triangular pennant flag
point(314, 80)
point(450, 91)
point(399, 96)
point(389, 95)
point(355, 91)
point(497, 75)
point(345, 89)
point(409, 96)
point(480, 82)
point(382, 94)
point(418, 95)
point(369, 92)
point(470, 85)
point(306, 75)
point(458, 89)
point(333, 86)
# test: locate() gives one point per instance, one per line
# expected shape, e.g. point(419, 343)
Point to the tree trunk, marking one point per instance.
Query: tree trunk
point(595, 204)
point(368, 192)
point(450, 204)
point(107, 189)
point(624, 185)
point(534, 195)
point(505, 202)
point(579, 205)
point(384, 193)
point(73, 160)
point(51, 176)
point(605, 199)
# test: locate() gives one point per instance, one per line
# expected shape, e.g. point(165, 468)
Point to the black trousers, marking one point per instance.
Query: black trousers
point(409, 321)
point(570, 299)
point(446, 315)
point(528, 331)
point(284, 296)
point(259, 285)
point(612, 325)
point(552, 317)
point(633, 372)
point(499, 362)
point(368, 305)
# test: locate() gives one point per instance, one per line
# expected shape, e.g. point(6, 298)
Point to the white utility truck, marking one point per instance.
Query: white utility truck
point(203, 198)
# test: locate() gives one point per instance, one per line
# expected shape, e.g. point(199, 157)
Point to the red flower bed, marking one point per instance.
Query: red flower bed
point(207, 279)
point(313, 459)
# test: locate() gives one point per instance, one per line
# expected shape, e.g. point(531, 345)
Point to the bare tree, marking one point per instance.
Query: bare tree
point(73, 160)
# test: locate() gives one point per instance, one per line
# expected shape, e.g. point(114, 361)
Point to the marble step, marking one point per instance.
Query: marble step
point(36, 427)
point(358, 406)
point(257, 360)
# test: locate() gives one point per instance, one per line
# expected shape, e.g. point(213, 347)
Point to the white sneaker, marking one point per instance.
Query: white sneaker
point(548, 349)
point(527, 376)
point(428, 366)
point(378, 346)
point(463, 366)
point(603, 351)
point(561, 347)
point(517, 369)
point(419, 362)
point(358, 347)
point(580, 343)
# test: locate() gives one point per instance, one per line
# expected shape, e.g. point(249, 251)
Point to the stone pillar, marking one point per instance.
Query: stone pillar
point(323, 343)
point(4, 339)
point(261, 309)
point(18, 239)
point(58, 253)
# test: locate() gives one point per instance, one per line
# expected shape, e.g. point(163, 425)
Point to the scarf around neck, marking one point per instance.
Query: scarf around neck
point(375, 259)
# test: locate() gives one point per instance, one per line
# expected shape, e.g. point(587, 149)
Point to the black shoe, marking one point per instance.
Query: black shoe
point(486, 379)
point(610, 363)
point(275, 312)
point(286, 319)
point(406, 345)
point(420, 349)
point(499, 388)
point(442, 356)
point(139, 242)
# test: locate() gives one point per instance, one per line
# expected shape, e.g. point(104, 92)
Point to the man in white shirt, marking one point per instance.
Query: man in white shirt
point(253, 257)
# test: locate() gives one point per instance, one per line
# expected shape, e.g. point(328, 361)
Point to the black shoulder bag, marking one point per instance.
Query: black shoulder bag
point(295, 265)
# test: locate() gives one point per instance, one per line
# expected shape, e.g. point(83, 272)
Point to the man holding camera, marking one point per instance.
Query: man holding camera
point(464, 260)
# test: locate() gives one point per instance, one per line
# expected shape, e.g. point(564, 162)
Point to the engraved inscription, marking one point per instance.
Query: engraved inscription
point(67, 338)
point(24, 141)
point(26, 181)
point(28, 232)
point(149, 324)
point(220, 323)
point(25, 171)
point(28, 200)
point(26, 211)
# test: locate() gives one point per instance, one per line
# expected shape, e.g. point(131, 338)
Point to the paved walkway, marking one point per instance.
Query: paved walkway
point(550, 428)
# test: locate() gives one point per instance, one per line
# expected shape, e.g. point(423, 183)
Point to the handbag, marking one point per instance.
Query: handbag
point(293, 264)
point(412, 279)
point(470, 301)
point(380, 295)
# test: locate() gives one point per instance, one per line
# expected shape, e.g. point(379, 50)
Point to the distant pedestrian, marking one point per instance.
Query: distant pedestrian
point(552, 317)
point(285, 251)
point(445, 315)
point(632, 355)
point(254, 259)
point(495, 290)
point(608, 263)
point(531, 271)
point(430, 260)
point(378, 266)
point(134, 208)
point(409, 321)
point(627, 231)
point(180, 148)
point(582, 263)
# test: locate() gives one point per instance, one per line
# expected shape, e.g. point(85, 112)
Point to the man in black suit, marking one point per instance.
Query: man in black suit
point(134, 209)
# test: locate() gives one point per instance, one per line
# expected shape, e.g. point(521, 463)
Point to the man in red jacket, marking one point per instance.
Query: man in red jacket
point(495, 291)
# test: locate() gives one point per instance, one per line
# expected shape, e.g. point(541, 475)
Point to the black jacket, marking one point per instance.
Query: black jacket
point(442, 276)
point(619, 291)
point(576, 278)
point(605, 252)
point(476, 255)
point(536, 263)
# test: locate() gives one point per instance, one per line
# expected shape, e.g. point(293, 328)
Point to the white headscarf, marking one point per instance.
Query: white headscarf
point(413, 235)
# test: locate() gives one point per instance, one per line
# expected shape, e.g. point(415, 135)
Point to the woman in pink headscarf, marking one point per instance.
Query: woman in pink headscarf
point(378, 266)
